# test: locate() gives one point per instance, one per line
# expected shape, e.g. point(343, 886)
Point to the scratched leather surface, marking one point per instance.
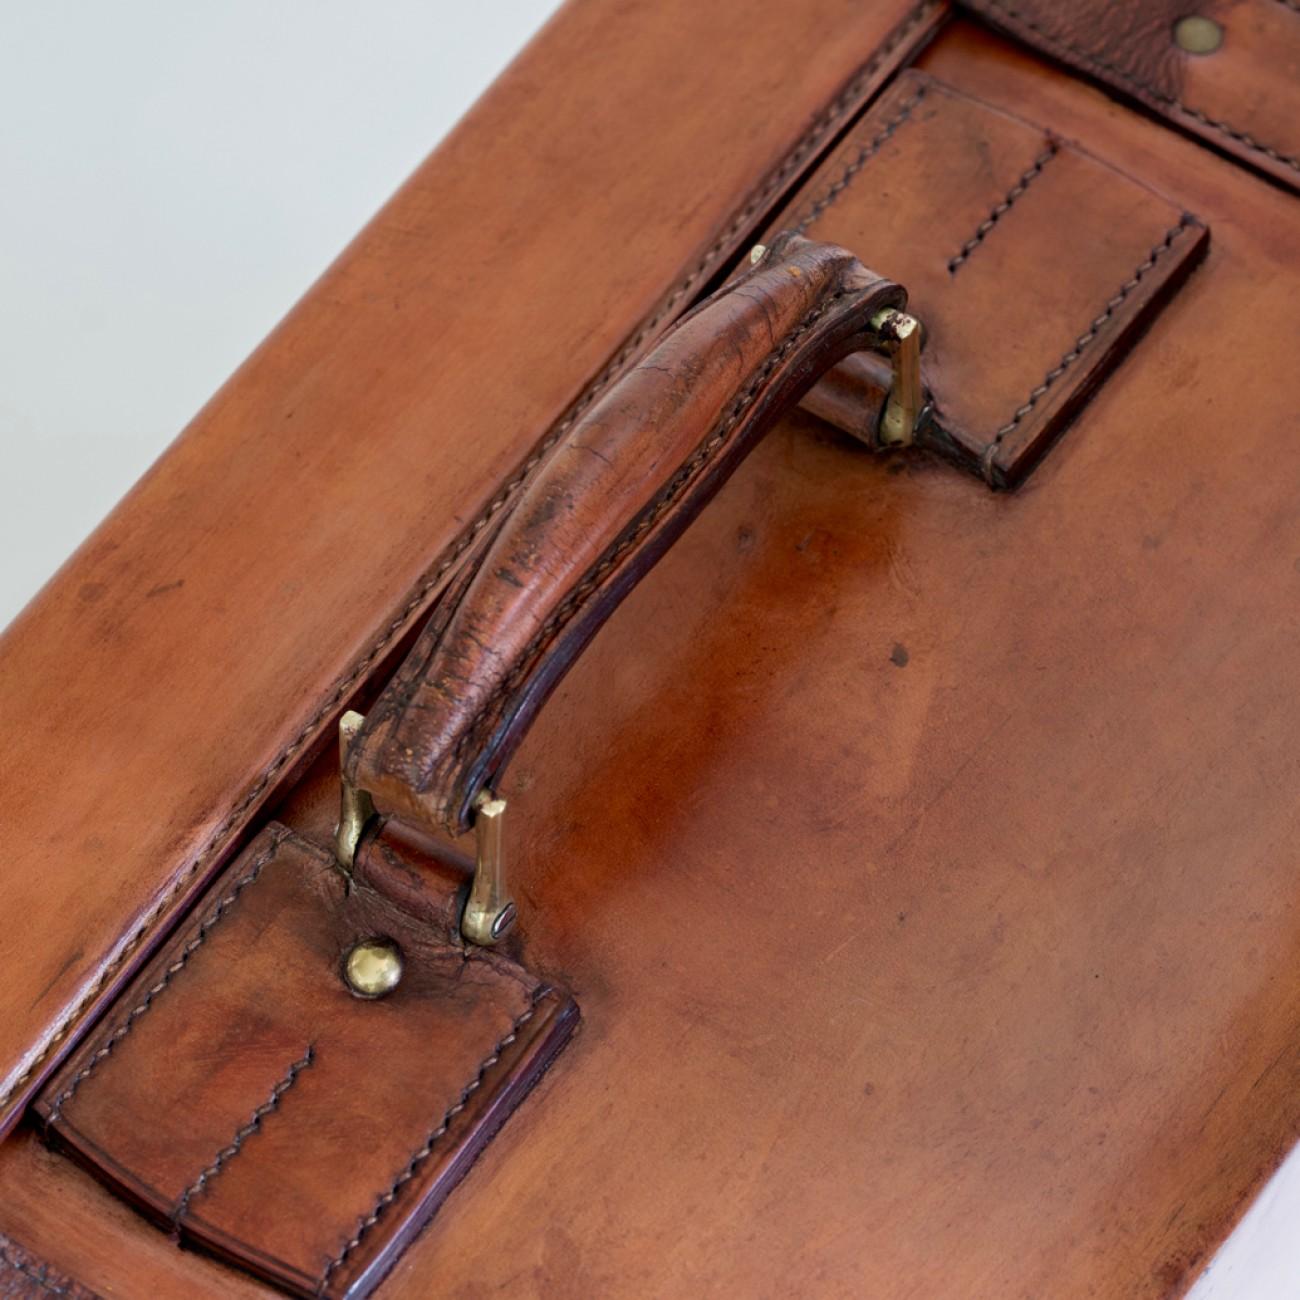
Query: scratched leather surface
point(1244, 98)
point(924, 857)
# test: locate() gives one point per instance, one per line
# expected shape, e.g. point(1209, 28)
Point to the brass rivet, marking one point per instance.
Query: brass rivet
point(1198, 35)
point(373, 968)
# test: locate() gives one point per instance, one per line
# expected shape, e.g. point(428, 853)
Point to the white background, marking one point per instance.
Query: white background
point(174, 176)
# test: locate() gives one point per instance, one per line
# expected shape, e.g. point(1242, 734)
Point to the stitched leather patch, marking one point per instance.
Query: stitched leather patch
point(1032, 265)
point(245, 1099)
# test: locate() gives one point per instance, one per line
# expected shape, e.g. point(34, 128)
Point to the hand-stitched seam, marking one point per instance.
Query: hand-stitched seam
point(133, 1016)
point(37, 1276)
point(242, 1134)
point(422, 1152)
point(1160, 96)
point(1084, 339)
point(667, 498)
point(851, 171)
point(1027, 178)
point(808, 144)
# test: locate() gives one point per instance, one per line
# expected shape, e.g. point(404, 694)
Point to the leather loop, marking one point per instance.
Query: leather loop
point(615, 494)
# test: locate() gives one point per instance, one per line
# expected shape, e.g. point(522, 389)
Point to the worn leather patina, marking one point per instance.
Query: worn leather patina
point(922, 856)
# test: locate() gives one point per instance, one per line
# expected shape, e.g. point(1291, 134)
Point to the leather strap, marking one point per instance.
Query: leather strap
point(1241, 96)
point(616, 493)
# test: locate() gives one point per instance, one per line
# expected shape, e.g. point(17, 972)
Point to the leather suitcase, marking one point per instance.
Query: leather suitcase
point(829, 472)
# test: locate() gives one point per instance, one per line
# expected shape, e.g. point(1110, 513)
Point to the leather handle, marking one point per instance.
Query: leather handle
point(610, 500)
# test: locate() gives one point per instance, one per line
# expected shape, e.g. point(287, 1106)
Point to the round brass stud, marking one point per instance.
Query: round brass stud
point(1198, 35)
point(373, 968)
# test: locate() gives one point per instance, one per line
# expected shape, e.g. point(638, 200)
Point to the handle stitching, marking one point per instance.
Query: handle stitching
point(807, 144)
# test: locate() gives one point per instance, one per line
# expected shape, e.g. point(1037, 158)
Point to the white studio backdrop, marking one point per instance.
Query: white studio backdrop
point(175, 176)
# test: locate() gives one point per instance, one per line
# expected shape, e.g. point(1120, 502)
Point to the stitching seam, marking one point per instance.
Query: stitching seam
point(228, 1153)
point(36, 1276)
point(1084, 339)
point(1027, 177)
point(216, 915)
point(867, 152)
point(422, 1153)
point(1171, 101)
point(669, 497)
point(808, 144)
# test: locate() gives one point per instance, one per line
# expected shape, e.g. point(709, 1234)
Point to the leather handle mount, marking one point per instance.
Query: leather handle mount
point(609, 501)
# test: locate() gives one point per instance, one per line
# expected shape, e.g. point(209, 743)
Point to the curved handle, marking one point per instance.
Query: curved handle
point(612, 497)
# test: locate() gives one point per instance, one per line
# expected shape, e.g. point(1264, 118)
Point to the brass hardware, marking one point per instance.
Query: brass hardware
point(1198, 35)
point(356, 807)
point(490, 911)
point(373, 968)
point(900, 336)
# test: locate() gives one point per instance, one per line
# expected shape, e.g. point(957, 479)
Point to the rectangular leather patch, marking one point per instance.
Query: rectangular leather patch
point(1032, 265)
point(240, 1094)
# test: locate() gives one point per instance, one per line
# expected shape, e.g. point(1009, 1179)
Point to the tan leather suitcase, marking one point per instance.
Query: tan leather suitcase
point(830, 472)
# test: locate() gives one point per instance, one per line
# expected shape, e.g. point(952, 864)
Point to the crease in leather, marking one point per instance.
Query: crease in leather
point(768, 190)
point(413, 757)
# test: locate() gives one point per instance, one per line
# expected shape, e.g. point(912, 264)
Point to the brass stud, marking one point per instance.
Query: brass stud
point(373, 968)
point(1198, 35)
